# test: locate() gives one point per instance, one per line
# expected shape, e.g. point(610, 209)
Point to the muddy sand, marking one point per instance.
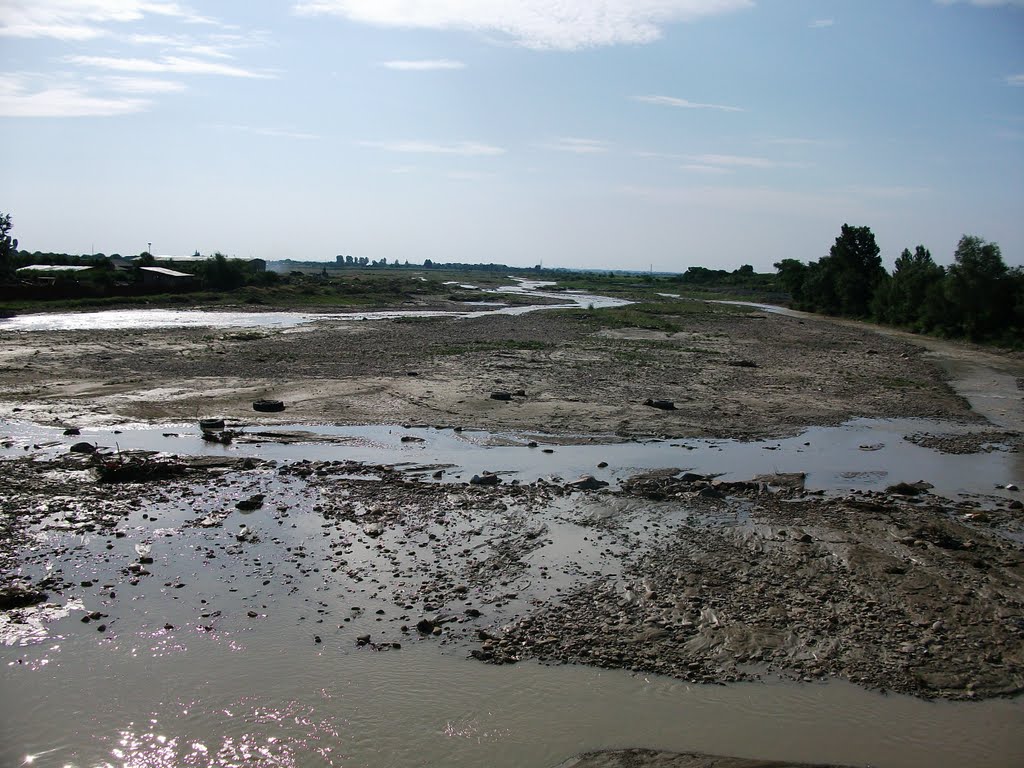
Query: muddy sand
point(669, 572)
point(729, 374)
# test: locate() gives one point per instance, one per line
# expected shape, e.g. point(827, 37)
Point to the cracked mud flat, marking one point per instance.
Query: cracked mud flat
point(688, 577)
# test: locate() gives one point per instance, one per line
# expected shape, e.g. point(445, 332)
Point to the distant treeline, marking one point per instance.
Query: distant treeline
point(977, 297)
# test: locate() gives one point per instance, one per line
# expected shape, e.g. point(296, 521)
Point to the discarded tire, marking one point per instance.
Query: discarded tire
point(211, 425)
point(268, 406)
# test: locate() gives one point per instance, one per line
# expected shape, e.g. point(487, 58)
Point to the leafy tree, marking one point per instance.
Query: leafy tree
point(979, 287)
point(8, 245)
point(913, 277)
point(223, 274)
point(854, 268)
point(792, 274)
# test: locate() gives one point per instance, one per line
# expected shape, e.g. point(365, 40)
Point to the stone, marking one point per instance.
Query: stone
point(250, 504)
point(664, 405)
point(82, 448)
point(587, 483)
point(487, 478)
point(373, 530)
point(503, 396)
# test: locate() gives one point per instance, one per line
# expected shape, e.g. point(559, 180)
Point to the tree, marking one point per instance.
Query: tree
point(854, 267)
point(8, 245)
point(912, 280)
point(979, 288)
point(792, 274)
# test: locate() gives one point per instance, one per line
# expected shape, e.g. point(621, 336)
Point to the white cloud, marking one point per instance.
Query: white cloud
point(140, 85)
point(542, 24)
point(423, 65)
point(578, 146)
point(1015, 79)
point(700, 168)
point(737, 161)
point(821, 23)
point(62, 99)
point(672, 101)
point(82, 19)
point(279, 133)
point(464, 148)
point(167, 64)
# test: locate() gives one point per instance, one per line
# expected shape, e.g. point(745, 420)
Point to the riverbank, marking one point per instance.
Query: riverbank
point(727, 373)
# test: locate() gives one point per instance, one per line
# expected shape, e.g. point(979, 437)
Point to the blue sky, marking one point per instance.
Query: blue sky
point(578, 133)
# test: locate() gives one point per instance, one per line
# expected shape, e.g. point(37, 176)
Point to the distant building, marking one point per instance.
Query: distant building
point(51, 268)
point(161, 276)
point(257, 265)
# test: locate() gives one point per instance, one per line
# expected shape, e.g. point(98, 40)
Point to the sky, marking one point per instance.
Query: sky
point(606, 134)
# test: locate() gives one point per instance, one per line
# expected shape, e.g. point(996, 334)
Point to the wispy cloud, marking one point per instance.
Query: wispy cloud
point(139, 84)
point(279, 133)
point(464, 148)
point(542, 24)
point(1016, 80)
point(738, 161)
point(672, 101)
point(821, 23)
point(701, 168)
point(423, 65)
point(83, 19)
point(794, 141)
point(21, 97)
point(578, 146)
point(180, 65)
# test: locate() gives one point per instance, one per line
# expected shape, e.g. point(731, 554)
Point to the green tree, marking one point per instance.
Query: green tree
point(854, 267)
point(792, 274)
point(979, 288)
point(8, 245)
point(913, 277)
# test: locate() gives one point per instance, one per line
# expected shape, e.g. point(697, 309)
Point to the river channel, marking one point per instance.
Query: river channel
point(231, 655)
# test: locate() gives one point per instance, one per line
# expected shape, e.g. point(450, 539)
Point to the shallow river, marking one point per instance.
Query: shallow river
point(227, 691)
point(266, 694)
point(142, 319)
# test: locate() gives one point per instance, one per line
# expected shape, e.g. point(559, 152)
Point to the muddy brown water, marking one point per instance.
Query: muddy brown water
point(223, 689)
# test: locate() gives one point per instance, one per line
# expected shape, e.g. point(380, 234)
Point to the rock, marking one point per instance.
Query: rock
point(664, 405)
point(426, 626)
point(250, 504)
point(519, 393)
point(72, 431)
point(411, 439)
point(83, 448)
point(316, 639)
point(587, 483)
point(1016, 504)
point(268, 406)
point(487, 478)
point(504, 396)
point(19, 597)
point(909, 489)
point(1012, 487)
point(743, 363)
point(373, 530)
point(363, 640)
